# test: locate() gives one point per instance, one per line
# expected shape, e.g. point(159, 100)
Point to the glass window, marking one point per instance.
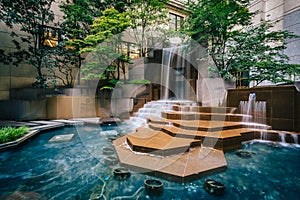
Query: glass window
point(175, 21)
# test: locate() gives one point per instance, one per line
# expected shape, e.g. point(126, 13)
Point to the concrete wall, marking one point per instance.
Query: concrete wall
point(23, 75)
point(292, 23)
point(22, 109)
point(68, 107)
point(285, 15)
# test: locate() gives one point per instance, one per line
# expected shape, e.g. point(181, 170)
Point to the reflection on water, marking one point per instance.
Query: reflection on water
point(76, 170)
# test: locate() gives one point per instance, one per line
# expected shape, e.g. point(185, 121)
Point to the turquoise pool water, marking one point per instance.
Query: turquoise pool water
point(76, 169)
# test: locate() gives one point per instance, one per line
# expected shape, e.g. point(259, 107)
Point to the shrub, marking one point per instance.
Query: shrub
point(140, 81)
point(8, 134)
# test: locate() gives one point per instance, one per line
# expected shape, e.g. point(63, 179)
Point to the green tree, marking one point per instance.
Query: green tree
point(78, 17)
point(104, 43)
point(212, 23)
point(147, 17)
point(260, 52)
point(31, 17)
point(236, 45)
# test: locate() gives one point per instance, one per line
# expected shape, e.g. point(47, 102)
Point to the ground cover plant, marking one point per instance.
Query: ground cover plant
point(8, 134)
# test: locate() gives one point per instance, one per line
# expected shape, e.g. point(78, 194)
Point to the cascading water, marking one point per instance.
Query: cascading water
point(263, 135)
point(154, 108)
point(256, 109)
point(173, 82)
point(167, 57)
point(172, 73)
point(295, 138)
point(282, 137)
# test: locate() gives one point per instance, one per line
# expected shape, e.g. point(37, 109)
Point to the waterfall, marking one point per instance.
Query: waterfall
point(172, 73)
point(154, 109)
point(295, 138)
point(263, 135)
point(167, 57)
point(256, 109)
point(282, 137)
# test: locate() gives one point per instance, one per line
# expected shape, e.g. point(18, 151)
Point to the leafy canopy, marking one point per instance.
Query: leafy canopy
point(106, 60)
point(259, 50)
point(30, 16)
point(147, 18)
point(235, 45)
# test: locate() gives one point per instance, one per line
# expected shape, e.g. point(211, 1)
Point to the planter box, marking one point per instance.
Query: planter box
point(17, 142)
point(67, 107)
point(31, 93)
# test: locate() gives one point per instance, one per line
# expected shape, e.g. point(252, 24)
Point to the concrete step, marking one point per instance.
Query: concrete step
point(182, 115)
point(204, 109)
point(226, 140)
point(147, 140)
point(199, 125)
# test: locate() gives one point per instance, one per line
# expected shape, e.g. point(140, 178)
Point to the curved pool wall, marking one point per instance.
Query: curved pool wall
point(76, 169)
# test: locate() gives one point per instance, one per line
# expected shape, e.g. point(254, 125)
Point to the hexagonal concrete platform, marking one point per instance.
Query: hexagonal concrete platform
point(179, 146)
point(147, 140)
point(180, 167)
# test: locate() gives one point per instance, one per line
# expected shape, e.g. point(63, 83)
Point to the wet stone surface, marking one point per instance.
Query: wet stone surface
point(61, 138)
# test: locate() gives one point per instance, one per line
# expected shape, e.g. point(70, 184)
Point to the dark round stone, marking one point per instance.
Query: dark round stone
point(243, 153)
point(121, 173)
point(214, 187)
point(112, 138)
point(111, 160)
point(108, 151)
point(153, 187)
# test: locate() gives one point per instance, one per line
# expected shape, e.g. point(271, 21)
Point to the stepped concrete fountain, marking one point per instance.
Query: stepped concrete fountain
point(188, 141)
point(182, 141)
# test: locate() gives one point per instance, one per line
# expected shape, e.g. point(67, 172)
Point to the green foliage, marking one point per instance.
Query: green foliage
point(61, 66)
point(78, 18)
point(111, 23)
point(260, 50)
point(147, 18)
point(106, 61)
point(212, 22)
point(140, 81)
point(8, 134)
point(107, 87)
point(80, 14)
point(224, 27)
point(30, 16)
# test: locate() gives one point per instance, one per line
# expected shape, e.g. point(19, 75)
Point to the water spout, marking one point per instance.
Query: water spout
point(263, 135)
point(282, 137)
point(253, 108)
point(295, 138)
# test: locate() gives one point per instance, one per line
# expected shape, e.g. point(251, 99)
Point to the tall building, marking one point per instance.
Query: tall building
point(285, 15)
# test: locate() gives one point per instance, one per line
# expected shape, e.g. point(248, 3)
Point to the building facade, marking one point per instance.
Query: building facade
point(285, 15)
point(286, 12)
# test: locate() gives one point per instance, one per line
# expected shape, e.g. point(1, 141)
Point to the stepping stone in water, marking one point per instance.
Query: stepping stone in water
point(61, 138)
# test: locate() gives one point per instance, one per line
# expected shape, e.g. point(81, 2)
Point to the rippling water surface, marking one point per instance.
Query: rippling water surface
point(76, 169)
